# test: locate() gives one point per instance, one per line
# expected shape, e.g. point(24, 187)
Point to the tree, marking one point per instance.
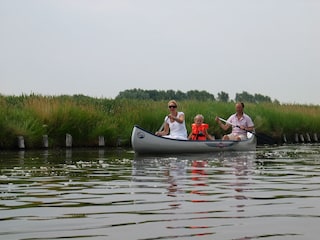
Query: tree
point(260, 98)
point(244, 97)
point(256, 98)
point(159, 95)
point(223, 97)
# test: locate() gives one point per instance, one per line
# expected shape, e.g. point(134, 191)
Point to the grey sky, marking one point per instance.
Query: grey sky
point(101, 47)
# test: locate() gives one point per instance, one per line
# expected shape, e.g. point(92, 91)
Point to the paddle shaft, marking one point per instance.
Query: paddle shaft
point(162, 126)
point(160, 129)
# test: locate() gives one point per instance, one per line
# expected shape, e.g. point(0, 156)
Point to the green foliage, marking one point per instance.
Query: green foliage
point(140, 94)
point(256, 98)
point(87, 118)
point(156, 95)
point(223, 97)
point(15, 122)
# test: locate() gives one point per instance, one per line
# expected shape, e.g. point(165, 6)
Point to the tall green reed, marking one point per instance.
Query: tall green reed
point(86, 118)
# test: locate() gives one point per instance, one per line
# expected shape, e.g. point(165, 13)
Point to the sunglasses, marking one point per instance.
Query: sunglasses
point(172, 107)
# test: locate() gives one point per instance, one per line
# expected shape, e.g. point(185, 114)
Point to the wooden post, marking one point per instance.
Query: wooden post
point(45, 141)
point(315, 137)
point(68, 140)
point(119, 142)
point(101, 141)
point(301, 138)
point(21, 142)
point(296, 137)
point(308, 137)
point(284, 138)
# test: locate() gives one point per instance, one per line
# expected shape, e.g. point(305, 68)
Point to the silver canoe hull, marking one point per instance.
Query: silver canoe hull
point(143, 141)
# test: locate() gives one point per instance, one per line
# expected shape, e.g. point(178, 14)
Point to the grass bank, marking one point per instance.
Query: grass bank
point(86, 118)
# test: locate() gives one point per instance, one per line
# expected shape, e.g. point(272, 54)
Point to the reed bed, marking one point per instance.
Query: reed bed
point(86, 118)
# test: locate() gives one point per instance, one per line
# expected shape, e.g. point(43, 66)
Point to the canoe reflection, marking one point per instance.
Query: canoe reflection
point(197, 174)
point(199, 178)
point(194, 191)
point(240, 167)
point(175, 173)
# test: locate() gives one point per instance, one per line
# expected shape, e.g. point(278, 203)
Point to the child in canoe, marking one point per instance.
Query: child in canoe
point(199, 129)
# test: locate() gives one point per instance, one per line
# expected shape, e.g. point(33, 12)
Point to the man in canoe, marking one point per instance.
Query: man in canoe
point(240, 122)
point(174, 123)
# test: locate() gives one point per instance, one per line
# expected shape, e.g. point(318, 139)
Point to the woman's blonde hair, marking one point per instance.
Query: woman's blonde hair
point(173, 101)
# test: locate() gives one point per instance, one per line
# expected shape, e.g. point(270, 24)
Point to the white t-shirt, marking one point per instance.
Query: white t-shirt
point(177, 130)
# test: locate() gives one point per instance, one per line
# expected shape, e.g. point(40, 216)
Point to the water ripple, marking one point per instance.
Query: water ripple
point(271, 193)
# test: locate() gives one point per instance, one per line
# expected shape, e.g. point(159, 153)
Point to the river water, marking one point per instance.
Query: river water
point(271, 193)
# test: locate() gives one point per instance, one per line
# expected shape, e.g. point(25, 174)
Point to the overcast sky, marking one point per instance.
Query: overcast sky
point(101, 47)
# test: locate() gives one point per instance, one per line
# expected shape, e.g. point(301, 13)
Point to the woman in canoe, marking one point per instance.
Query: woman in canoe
point(174, 123)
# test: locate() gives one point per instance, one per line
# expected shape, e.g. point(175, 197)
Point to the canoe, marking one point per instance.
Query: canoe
point(145, 142)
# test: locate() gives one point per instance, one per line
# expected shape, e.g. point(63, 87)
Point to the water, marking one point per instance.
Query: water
point(272, 193)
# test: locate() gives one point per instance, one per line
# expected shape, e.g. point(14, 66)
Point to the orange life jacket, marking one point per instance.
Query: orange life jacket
point(198, 132)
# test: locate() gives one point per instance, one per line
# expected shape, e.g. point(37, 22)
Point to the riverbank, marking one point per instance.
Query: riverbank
point(108, 122)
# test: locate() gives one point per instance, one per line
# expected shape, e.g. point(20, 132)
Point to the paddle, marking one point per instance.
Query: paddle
point(262, 139)
point(223, 120)
point(160, 129)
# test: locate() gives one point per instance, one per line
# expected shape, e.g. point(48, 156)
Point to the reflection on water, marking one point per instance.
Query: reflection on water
point(272, 193)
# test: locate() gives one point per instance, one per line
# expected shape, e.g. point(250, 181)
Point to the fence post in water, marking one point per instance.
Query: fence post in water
point(284, 138)
point(296, 138)
point(45, 141)
point(68, 140)
point(315, 137)
point(21, 142)
point(301, 138)
point(101, 141)
point(308, 137)
point(119, 142)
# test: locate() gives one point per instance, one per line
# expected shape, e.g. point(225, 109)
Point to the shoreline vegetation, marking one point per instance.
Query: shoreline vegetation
point(86, 118)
